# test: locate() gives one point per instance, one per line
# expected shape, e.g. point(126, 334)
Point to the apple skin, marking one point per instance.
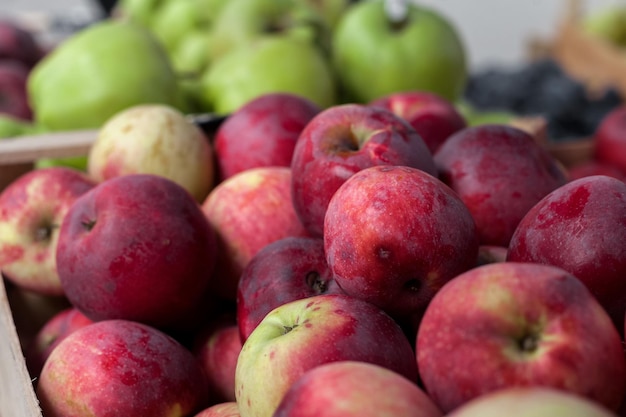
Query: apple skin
point(248, 211)
point(56, 329)
point(512, 324)
point(421, 52)
point(32, 208)
point(154, 139)
point(136, 234)
point(531, 402)
point(499, 172)
point(262, 132)
point(342, 140)
point(226, 409)
point(394, 235)
point(286, 270)
point(434, 118)
point(122, 368)
point(580, 228)
point(217, 347)
point(609, 140)
point(358, 389)
point(303, 334)
point(13, 92)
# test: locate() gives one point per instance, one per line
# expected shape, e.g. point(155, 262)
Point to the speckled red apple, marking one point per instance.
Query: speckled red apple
point(262, 132)
point(32, 209)
point(512, 324)
point(121, 368)
point(342, 140)
point(136, 247)
point(580, 227)
point(499, 172)
point(394, 235)
point(249, 211)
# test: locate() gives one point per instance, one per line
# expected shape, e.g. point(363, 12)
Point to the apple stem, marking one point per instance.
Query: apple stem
point(397, 11)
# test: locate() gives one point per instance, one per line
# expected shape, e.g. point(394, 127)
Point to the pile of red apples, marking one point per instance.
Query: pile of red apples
point(380, 259)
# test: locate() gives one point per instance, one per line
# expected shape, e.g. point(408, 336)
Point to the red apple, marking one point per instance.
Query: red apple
point(56, 329)
point(262, 132)
point(355, 389)
point(217, 347)
point(394, 235)
point(433, 117)
point(303, 334)
point(121, 368)
point(18, 43)
point(14, 99)
point(533, 401)
point(286, 270)
point(32, 208)
point(341, 141)
point(512, 324)
point(249, 211)
point(136, 247)
point(610, 141)
point(580, 228)
point(227, 409)
point(499, 172)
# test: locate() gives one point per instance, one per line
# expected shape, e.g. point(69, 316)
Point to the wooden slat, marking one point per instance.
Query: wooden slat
point(25, 149)
point(17, 397)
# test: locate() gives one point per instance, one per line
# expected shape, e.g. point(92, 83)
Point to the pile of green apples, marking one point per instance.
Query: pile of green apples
point(214, 55)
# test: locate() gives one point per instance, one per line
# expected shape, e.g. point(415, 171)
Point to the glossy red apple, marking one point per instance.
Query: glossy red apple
point(610, 141)
point(303, 334)
point(512, 324)
point(355, 389)
point(394, 235)
point(286, 270)
point(342, 140)
point(32, 208)
point(580, 228)
point(499, 172)
point(122, 368)
point(262, 132)
point(136, 247)
point(249, 211)
point(433, 117)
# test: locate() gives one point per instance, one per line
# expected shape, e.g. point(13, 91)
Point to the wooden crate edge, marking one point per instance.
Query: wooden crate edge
point(17, 395)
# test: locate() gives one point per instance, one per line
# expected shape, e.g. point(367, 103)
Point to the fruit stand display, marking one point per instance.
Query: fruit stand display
point(218, 205)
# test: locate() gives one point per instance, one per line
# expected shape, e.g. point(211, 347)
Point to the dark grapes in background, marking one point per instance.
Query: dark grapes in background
point(541, 88)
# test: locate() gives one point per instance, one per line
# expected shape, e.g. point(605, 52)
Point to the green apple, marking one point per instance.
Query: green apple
point(11, 127)
point(98, 72)
point(176, 19)
point(374, 56)
point(330, 10)
point(192, 53)
point(272, 64)
point(139, 11)
point(243, 21)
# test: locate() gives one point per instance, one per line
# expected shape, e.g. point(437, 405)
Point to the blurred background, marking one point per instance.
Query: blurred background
point(495, 31)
